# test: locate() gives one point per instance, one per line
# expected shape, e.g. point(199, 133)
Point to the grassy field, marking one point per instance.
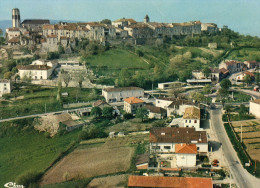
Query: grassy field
point(116, 59)
point(34, 99)
point(109, 181)
point(250, 135)
point(24, 149)
point(88, 161)
point(245, 54)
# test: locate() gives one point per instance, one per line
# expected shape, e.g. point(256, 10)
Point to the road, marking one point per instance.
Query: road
point(241, 177)
point(36, 115)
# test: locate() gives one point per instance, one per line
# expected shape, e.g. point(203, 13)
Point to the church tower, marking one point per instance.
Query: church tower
point(146, 19)
point(16, 17)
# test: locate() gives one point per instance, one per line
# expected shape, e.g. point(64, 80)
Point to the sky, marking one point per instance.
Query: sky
point(242, 16)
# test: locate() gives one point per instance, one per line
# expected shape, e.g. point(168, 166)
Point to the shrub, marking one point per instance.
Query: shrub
point(29, 178)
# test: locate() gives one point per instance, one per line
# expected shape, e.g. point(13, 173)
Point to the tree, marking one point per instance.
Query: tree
point(207, 89)
point(107, 112)
point(61, 50)
point(8, 75)
point(257, 78)
point(175, 90)
point(142, 113)
point(206, 71)
point(96, 112)
point(106, 21)
point(80, 78)
point(228, 109)
point(242, 110)
point(222, 95)
point(247, 79)
point(198, 97)
point(59, 89)
point(225, 84)
point(1, 32)
point(52, 55)
point(66, 78)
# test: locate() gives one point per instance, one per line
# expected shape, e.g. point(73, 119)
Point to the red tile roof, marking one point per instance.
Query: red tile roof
point(169, 182)
point(133, 100)
point(177, 135)
point(52, 36)
point(14, 40)
point(223, 71)
point(186, 148)
point(249, 73)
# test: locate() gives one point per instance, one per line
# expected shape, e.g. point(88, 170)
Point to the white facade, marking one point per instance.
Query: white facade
point(119, 94)
point(192, 123)
point(170, 147)
point(35, 74)
point(5, 87)
point(177, 109)
point(185, 160)
point(163, 103)
point(254, 108)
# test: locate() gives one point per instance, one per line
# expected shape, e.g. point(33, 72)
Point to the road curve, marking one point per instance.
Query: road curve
point(242, 178)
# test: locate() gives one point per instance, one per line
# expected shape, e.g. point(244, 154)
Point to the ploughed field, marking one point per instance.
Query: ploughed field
point(89, 161)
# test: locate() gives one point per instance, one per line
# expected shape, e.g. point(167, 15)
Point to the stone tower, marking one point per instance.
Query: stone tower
point(146, 19)
point(16, 17)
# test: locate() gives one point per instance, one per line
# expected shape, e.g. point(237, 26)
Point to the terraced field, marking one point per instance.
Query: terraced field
point(250, 136)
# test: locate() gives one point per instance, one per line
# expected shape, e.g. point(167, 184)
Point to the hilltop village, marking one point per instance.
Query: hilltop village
point(129, 104)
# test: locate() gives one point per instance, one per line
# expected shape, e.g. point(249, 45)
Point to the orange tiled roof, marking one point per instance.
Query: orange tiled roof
point(14, 40)
point(126, 20)
point(249, 73)
point(169, 182)
point(186, 148)
point(133, 100)
point(52, 36)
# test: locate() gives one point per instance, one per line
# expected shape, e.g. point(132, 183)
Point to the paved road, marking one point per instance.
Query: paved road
point(242, 178)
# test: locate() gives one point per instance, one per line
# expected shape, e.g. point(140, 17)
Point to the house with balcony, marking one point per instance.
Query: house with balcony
point(179, 147)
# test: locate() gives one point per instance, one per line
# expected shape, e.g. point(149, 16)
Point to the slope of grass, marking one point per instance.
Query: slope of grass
point(24, 149)
point(245, 54)
point(117, 59)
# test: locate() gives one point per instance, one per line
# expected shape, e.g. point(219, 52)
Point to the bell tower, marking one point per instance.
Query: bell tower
point(16, 17)
point(146, 19)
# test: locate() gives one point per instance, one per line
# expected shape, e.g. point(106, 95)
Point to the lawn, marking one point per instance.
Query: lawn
point(35, 100)
point(245, 54)
point(24, 149)
point(117, 59)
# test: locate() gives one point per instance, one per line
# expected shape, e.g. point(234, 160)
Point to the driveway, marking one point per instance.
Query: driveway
point(242, 178)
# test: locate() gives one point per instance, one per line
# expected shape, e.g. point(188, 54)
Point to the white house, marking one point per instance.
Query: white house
point(119, 94)
point(131, 104)
point(163, 102)
point(5, 87)
point(37, 70)
point(241, 76)
point(254, 108)
point(168, 85)
point(191, 117)
point(186, 155)
point(178, 146)
point(164, 139)
point(178, 107)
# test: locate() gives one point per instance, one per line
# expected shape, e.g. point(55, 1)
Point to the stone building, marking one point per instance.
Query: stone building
point(132, 104)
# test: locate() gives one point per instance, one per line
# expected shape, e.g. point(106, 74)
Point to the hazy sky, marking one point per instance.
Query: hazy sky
point(240, 15)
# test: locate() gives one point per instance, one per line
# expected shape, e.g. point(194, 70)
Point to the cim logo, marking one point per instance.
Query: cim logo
point(12, 185)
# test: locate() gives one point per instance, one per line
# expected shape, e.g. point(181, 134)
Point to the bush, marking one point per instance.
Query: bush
point(29, 178)
point(128, 116)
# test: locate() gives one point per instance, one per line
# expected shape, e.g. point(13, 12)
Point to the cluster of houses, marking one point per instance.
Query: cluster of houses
point(38, 31)
point(178, 145)
point(225, 68)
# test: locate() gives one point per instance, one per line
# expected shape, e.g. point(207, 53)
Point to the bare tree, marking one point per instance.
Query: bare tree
point(80, 77)
point(66, 78)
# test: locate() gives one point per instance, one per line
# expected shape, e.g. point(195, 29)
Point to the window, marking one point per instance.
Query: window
point(195, 121)
point(186, 121)
point(167, 147)
point(156, 147)
point(198, 148)
point(4, 84)
point(190, 121)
